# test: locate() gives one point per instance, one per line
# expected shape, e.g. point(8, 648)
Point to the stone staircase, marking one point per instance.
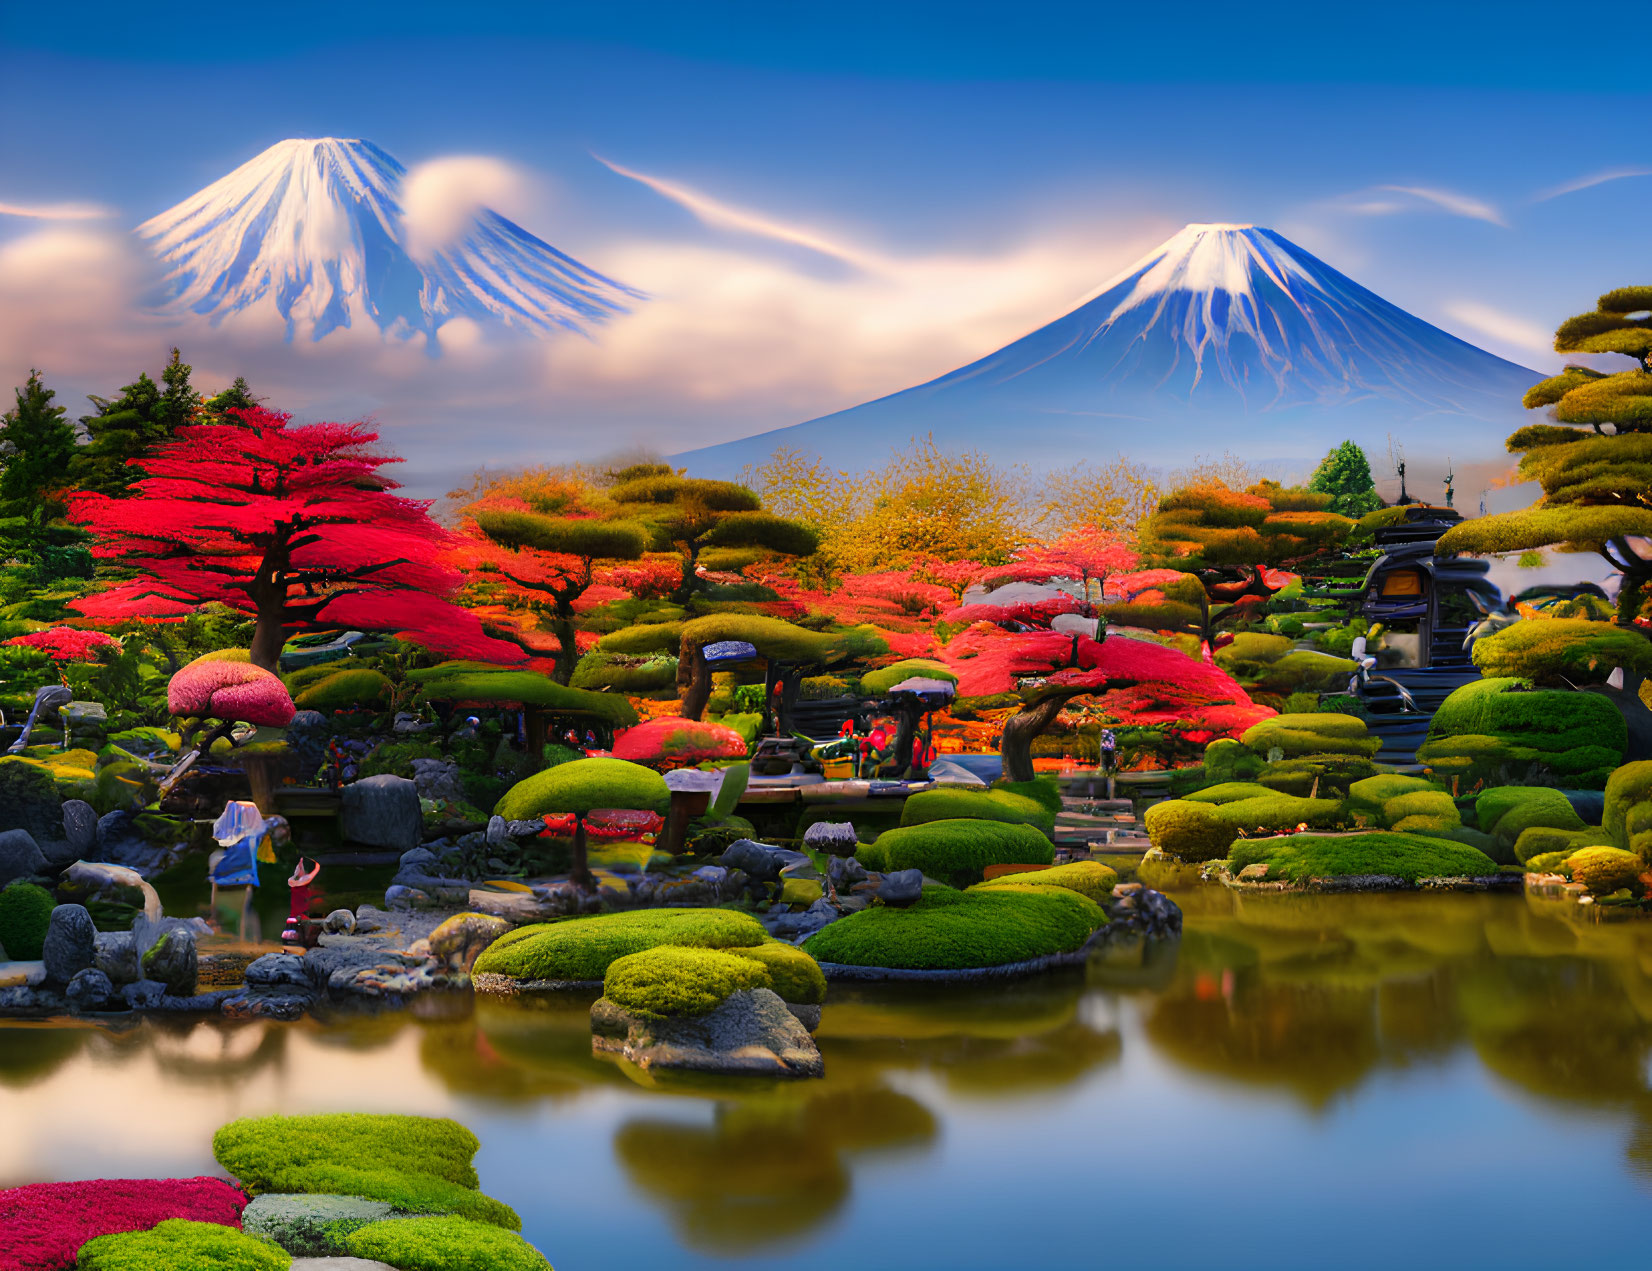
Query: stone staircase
point(1399, 730)
point(1091, 822)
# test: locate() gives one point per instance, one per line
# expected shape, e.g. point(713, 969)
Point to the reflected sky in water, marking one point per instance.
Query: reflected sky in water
point(1305, 1082)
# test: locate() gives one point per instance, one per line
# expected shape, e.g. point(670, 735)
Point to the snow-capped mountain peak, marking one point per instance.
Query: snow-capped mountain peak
point(315, 228)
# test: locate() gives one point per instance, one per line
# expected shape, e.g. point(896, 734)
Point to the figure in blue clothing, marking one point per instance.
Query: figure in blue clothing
point(244, 838)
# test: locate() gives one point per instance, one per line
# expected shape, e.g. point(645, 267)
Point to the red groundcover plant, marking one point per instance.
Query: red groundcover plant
point(294, 526)
point(66, 644)
point(43, 1226)
point(672, 742)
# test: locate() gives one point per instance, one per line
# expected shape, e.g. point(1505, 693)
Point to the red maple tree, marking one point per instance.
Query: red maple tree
point(294, 526)
point(1083, 555)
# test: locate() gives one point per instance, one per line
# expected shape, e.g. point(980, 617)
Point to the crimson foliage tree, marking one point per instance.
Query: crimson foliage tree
point(293, 526)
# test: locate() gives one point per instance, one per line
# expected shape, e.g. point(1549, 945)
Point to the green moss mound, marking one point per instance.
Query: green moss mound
point(464, 682)
point(645, 637)
point(1229, 792)
point(1604, 870)
point(625, 672)
point(1549, 862)
point(670, 981)
point(1324, 733)
point(1229, 760)
point(958, 849)
point(1407, 856)
point(1544, 840)
point(445, 1244)
point(1087, 878)
point(25, 912)
point(953, 803)
point(960, 930)
point(1628, 819)
point(1317, 776)
point(1279, 813)
point(1497, 730)
point(179, 1245)
point(417, 1164)
point(1191, 832)
point(877, 683)
point(1044, 791)
point(583, 786)
point(1506, 812)
point(792, 973)
point(584, 948)
point(345, 690)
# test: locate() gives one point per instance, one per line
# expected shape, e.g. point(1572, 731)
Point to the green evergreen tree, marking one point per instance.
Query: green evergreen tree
point(36, 446)
point(1345, 474)
point(236, 397)
point(145, 414)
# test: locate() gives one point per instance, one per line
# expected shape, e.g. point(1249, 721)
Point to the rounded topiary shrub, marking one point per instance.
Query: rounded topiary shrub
point(793, 974)
point(960, 930)
point(953, 803)
point(1629, 791)
point(25, 912)
point(1317, 776)
point(1604, 870)
point(345, 690)
point(1507, 811)
point(958, 850)
point(582, 949)
point(180, 1245)
point(1499, 730)
point(1190, 832)
point(1322, 733)
point(1421, 810)
point(444, 1243)
point(671, 981)
point(1087, 878)
point(584, 786)
point(1545, 840)
point(1229, 760)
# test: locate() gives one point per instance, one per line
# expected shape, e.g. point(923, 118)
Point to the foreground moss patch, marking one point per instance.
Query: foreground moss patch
point(584, 948)
point(1407, 856)
point(418, 1164)
point(959, 930)
point(178, 1245)
point(445, 1244)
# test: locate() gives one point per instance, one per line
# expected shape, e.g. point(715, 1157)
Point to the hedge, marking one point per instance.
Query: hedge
point(951, 803)
point(180, 1245)
point(344, 690)
point(958, 930)
point(1279, 812)
point(584, 948)
point(583, 786)
point(1087, 878)
point(645, 637)
point(959, 848)
point(1406, 856)
point(1326, 733)
point(418, 1164)
point(444, 1244)
point(1190, 832)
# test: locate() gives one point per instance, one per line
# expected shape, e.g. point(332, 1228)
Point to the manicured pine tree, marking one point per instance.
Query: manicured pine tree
point(143, 416)
point(236, 397)
point(1345, 474)
point(36, 445)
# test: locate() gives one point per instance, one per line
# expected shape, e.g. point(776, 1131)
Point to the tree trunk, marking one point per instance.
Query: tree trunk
point(268, 637)
point(581, 872)
point(908, 714)
point(567, 643)
point(1022, 727)
point(696, 687)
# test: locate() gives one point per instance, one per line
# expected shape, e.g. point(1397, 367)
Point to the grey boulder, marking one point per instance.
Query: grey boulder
point(71, 943)
point(752, 1033)
point(902, 887)
point(166, 952)
point(20, 856)
point(89, 990)
point(382, 811)
point(80, 827)
point(115, 953)
point(438, 780)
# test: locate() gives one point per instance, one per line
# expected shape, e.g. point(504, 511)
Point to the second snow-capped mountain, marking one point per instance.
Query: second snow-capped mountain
point(315, 230)
point(1226, 337)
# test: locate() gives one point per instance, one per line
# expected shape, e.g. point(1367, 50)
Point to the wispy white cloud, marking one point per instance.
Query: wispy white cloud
point(57, 211)
point(1513, 333)
point(442, 197)
point(720, 215)
point(1450, 201)
point(1589, 182)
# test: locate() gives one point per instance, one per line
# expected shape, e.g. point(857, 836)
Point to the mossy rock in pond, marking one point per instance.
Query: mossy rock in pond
point(1191, 832)
point(180, 1245)
point(346, 690)
point(950, 930)
point(1087, 878)
point(312, 1226)
point(418, 1164)
point(583, 786)
point(444, 1244)
point(1280, 813)
point(954, 803)
point(25, 913)
point(1404, 856)
point(793, 975)
point(1604, 870)
point(957, 850)
point(669, 981)
point(584, 948)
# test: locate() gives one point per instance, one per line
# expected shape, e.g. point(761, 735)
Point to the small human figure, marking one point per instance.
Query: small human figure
point(301, 894)
point(1109, 756)
point(241, 833)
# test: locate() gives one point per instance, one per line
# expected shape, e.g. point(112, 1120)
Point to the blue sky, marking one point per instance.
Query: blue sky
point(996, 161)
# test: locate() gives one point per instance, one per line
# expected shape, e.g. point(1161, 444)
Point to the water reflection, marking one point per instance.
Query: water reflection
point(1315, 998)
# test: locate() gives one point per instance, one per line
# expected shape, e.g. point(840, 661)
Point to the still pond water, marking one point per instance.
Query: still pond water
point(1380, 1081)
